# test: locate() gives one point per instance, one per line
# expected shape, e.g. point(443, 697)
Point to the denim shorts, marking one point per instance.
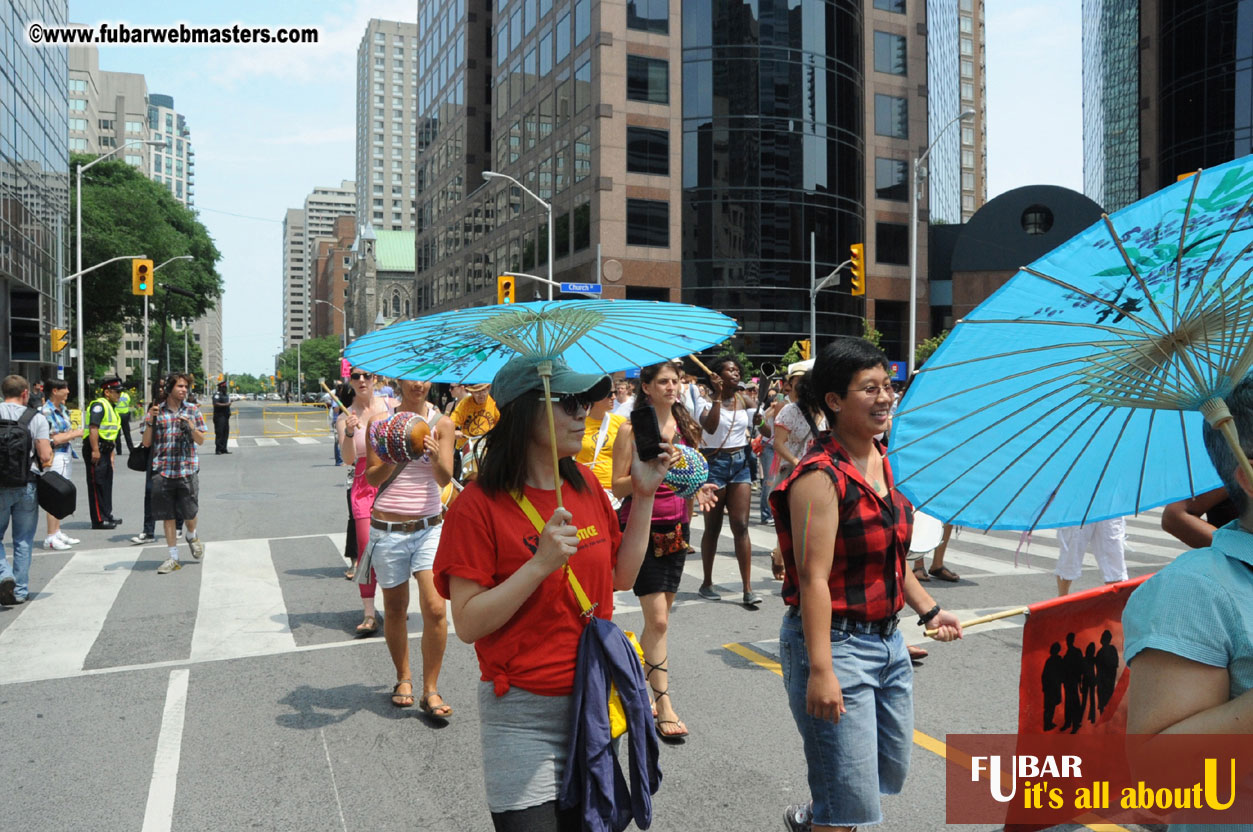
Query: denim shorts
point(866, 753)
point(395, 556)
point(726, 467)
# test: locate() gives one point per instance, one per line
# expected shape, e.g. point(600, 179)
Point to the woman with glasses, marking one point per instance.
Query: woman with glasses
point(662, 569)
point(404, 534)
point(844, 530)
point(511, 597)
point(725, 420)
point(350, 431)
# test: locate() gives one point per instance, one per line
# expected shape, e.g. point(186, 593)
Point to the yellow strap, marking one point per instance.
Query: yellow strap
point(528, 508)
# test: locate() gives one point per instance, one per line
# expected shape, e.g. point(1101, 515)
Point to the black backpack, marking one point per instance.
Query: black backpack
point(17, 450)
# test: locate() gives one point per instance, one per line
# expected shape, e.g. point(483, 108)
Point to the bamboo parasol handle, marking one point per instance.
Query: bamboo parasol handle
point(984, 619)
point(1219, 418)
point(546, 373)
point(334, 398)
point(700, 364)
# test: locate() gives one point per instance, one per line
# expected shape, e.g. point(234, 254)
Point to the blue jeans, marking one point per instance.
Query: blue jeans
point(866, 753)
point(19, 505)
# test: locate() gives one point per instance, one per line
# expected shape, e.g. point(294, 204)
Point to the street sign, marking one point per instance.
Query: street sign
point(584, 288)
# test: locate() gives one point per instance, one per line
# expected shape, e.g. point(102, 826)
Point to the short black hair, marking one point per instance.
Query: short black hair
point(56, 384)
point(833, 371)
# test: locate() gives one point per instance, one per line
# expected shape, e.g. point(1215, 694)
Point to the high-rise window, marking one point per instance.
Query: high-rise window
point(648, 222)
point(648, 79)
point(891, 243)
point(891, 116)
point(649, 16)
point(582, 20)
point(648, 150)
point(891, 179)
point(889, 53)
point(897, 6)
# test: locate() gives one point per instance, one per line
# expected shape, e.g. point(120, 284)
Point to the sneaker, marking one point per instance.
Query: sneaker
point(142, 538)
point(798, 817)
point(169, 566)
point(179, 534)
point(751, 599)
point(55, 542)
point(65, 538)
point(8, 586)
point(708, 592)
point(197, 548)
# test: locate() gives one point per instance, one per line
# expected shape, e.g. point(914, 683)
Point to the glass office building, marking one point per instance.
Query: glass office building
point(773, 149)
point(35, 224)
point(1111, 97)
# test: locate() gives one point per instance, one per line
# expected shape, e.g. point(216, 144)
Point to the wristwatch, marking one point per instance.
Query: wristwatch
point(926, 617)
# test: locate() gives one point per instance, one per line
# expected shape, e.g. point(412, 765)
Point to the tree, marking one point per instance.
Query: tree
point(124, 212)
point(871, 334)
point(319, 358)
point(924, 350)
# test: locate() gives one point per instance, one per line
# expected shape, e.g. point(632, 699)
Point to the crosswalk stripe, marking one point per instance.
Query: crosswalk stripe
point(232, 443)
point(265, 441)
point(305, 440)
point(241, 610)
point(52, 637)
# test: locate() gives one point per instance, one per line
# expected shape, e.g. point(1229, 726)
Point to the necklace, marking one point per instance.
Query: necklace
point(878, 485)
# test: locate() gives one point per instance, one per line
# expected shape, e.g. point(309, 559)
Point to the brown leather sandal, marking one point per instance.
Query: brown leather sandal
point(403, 700)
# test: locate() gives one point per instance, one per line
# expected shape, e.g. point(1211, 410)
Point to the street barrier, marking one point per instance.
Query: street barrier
point(306, 419)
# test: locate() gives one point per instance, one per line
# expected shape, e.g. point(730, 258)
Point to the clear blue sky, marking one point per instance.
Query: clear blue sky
point(269, 123)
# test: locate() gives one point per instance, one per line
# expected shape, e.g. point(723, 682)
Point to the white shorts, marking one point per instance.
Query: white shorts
point(1106, 539)
point(63, 464)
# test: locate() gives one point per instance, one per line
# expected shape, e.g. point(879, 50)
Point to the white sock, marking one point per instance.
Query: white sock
point(174, 552)
point(189, 536)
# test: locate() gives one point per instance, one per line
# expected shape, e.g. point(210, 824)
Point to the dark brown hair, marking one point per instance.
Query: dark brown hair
point(688, 429)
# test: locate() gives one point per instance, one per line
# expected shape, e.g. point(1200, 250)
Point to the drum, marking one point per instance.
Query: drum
point(399, 437)
point(688, 474)
point(928, 532)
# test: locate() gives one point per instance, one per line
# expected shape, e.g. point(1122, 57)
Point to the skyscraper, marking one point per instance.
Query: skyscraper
point(387, 142)
point(295, 295)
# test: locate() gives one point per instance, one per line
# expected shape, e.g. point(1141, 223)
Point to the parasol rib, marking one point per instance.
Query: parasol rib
point(1148, 435)
point(1109, 304)
point(1105, 468)
point(1183, 238)
point(1134, 271)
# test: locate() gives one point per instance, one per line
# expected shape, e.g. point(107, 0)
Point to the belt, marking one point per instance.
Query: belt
point(406, 525)
point(710, 452)
point(883, 627)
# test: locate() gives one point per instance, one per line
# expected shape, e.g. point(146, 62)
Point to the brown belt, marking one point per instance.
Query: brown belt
point(406, 525)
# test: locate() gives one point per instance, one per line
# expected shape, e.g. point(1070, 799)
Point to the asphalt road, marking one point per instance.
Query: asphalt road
point(231, 694)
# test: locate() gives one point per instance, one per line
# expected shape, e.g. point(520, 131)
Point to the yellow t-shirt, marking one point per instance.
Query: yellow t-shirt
point(603, 466)
point(475, 419)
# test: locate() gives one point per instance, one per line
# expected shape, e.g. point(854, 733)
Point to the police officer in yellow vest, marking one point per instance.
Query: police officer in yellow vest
point(123, 409)
point(103, 426)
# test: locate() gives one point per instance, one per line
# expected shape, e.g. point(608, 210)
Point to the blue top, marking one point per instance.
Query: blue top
point(1200, 607)
point(58, 422)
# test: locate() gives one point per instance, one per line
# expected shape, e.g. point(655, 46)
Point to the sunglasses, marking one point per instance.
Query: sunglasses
point(360, 376)
point(572, 403)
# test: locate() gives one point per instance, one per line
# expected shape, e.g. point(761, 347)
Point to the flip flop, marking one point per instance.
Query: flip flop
point(945, 574)
point(676, 736)
point(916, 652)
point(368, 627)
point(921, 574)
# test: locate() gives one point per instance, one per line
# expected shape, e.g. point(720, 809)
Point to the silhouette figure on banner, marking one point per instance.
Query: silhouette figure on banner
point(1081, 681)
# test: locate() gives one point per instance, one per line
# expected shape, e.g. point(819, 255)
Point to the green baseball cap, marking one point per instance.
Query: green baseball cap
point(521, 375)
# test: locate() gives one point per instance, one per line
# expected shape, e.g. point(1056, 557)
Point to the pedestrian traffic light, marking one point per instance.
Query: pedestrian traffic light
point(505, 289)
point(804, 349)
point(60, 339)
point(141, 277)
point(859, 268)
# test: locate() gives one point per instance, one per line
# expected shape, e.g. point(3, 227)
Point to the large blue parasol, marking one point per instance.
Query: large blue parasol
point(1078, 390)
point(470, 345)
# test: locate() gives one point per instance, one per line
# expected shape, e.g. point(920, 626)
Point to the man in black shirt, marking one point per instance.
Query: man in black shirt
point(221, 418)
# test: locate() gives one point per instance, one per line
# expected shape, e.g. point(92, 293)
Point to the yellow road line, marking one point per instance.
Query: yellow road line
point(937, 747)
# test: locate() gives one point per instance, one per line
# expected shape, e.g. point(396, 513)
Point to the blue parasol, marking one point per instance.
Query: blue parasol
point(1078, 390)
point(470, 345)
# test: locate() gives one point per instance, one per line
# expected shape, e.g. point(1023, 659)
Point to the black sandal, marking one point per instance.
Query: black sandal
point(677, 736)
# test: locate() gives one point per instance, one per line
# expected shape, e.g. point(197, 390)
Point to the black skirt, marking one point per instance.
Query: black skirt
point(662, 573)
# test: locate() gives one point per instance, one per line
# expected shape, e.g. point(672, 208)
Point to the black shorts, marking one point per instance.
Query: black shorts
point(660, 573)
point(175, 497)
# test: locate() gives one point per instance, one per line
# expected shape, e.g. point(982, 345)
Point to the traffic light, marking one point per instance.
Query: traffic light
point(141, 277)
point(279, 373)
point(804, 349)
point(60, 339)
point(505, 288)
point(859, 268)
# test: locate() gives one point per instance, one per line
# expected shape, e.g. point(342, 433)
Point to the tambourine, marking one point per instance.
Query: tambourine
point(399, 437)
point(928, 533)
point(687, 475)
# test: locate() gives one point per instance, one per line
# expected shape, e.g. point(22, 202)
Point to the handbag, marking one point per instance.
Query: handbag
point(139, 458)
point(617, 715)
point(56, 494)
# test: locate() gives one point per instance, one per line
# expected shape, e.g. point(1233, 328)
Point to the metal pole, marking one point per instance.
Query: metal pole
point(185, 364)
point(299, 385)
point(146, 391)
point(813, 297)
point(913, 265)
point(552, 253)
point(78, 290)
point(60, 292)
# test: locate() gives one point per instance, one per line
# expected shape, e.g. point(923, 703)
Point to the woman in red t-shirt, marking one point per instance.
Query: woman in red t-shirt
point(510, 596)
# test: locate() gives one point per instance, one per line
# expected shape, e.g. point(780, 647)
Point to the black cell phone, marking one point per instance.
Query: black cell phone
point(647, 432)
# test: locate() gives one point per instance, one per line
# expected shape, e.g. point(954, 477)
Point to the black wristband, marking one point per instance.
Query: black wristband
point(928, 615)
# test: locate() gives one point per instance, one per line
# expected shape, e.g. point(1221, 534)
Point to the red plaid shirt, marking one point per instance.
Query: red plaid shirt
point(871, 544)
point(173, 451)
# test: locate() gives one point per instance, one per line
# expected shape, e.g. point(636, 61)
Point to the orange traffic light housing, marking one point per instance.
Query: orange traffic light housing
point(506, 289)
point(858, 267)
point(60, 339)
point(141, 277)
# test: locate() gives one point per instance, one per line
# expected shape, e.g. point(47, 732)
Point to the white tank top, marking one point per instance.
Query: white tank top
point(414, 492)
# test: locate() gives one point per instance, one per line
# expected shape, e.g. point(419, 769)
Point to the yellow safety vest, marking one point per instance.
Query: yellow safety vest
point(111, 424)
point(124, 405)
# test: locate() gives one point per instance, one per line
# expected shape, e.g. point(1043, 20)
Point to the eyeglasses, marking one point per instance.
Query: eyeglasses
point(572, 403)
point(874, 390)
point(360, 376)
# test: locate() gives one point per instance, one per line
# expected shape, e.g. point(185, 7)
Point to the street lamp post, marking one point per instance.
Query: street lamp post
point(78, 267)
point(915, 195)
point(146, 362)
point(341, 312)
point(548, 206)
